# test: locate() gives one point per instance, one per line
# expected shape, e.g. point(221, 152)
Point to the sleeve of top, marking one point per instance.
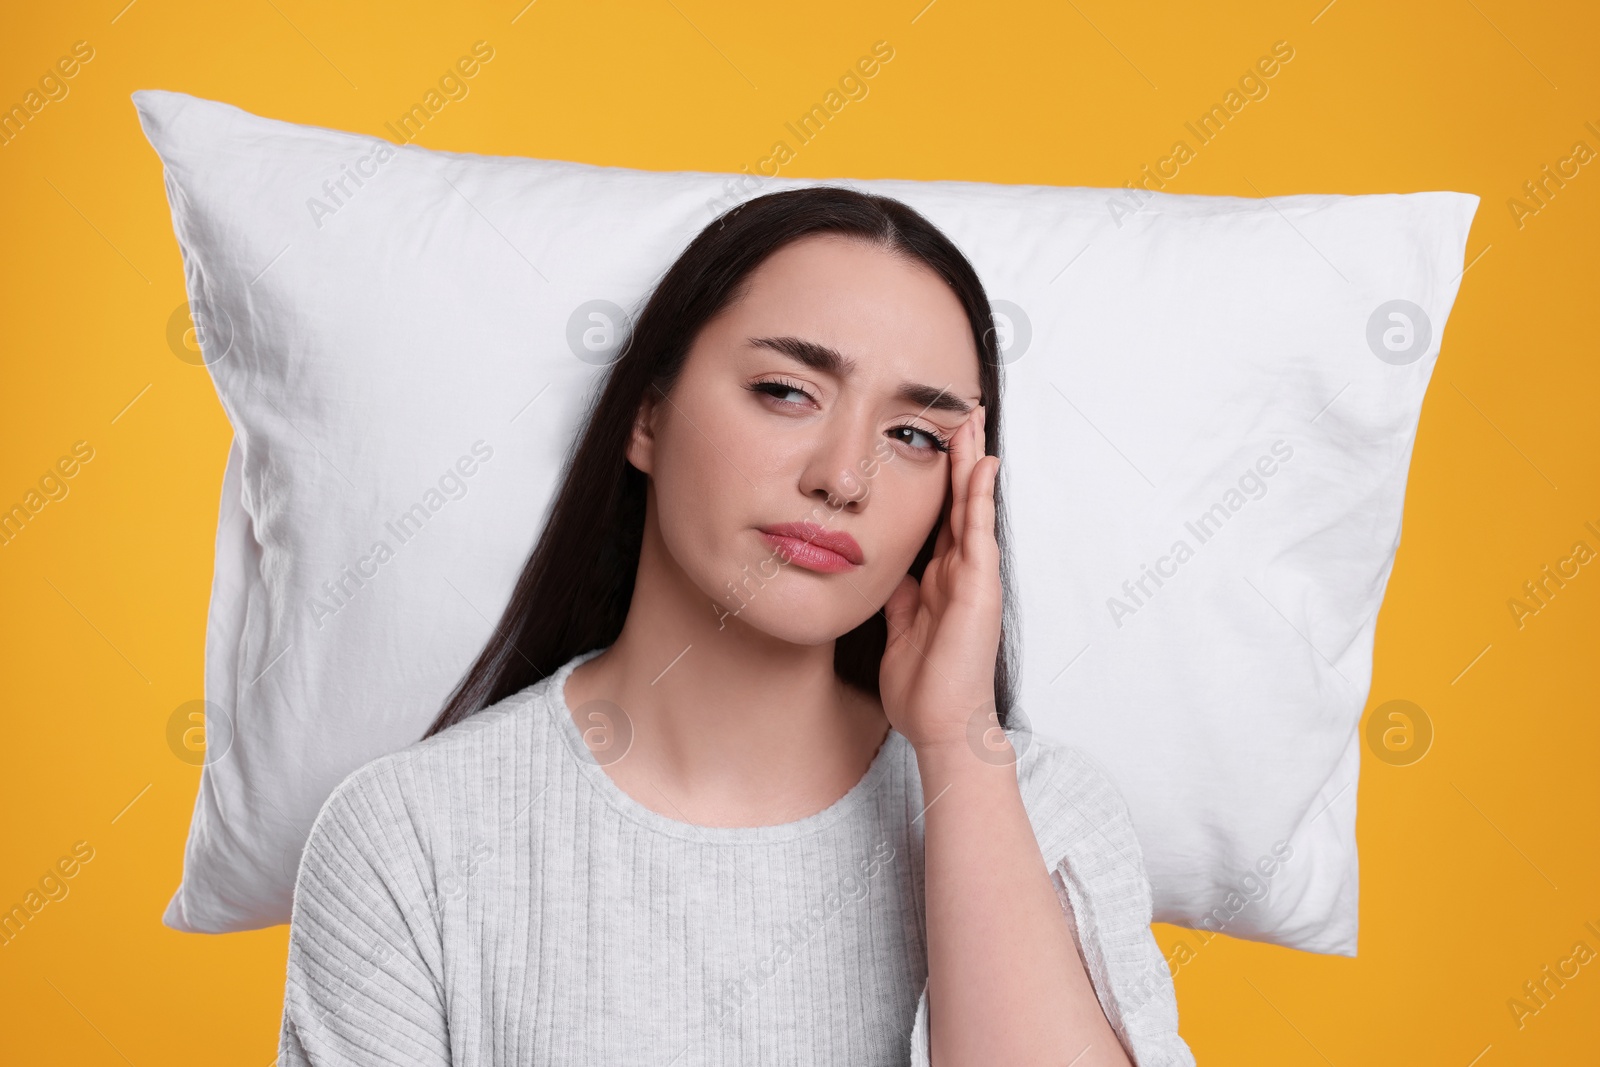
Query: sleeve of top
point(1086, 835)
point(363, 984)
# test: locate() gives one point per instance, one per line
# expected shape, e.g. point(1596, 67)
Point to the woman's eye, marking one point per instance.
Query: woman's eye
point(935, 443)
point(779, 390)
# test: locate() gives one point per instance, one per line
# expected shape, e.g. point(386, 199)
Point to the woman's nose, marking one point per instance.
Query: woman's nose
point(834, 475)
point(848, 490)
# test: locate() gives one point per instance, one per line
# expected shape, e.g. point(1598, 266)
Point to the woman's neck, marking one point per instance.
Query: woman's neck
point(729, 726)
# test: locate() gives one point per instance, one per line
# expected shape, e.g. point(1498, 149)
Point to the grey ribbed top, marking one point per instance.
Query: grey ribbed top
point(490, 897)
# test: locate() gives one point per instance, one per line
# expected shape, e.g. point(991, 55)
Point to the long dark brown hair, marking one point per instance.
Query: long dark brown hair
point(574, 591)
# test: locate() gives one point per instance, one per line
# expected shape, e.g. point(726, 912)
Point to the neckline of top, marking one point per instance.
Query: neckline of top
point(554, 703)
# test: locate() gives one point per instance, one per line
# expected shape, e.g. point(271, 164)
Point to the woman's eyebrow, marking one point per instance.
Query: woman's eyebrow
point(820, 357)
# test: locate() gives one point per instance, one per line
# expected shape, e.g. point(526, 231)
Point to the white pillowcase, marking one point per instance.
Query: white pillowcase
point(1210, 410)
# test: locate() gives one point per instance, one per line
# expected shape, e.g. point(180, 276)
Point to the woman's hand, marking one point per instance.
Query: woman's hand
point(939, 664)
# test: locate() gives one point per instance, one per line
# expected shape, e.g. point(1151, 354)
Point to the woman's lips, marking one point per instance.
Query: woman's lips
point(813, 547)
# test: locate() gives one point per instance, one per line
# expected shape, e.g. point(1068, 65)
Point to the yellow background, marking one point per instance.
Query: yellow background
point(1478, 862)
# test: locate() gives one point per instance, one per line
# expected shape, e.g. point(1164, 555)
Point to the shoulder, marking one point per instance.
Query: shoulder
point(394, 800)
point(1075, 807)
point(1087, 836)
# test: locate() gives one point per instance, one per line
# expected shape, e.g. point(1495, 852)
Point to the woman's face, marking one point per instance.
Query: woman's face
point(766, 426)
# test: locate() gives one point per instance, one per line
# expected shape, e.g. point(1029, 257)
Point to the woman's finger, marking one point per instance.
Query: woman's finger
point(977, 541)
point(941, 543)
point(975, 456)
point(980, 490)
point(964, 452)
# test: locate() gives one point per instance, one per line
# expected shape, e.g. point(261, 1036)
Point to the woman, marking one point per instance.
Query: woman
point(729, 784)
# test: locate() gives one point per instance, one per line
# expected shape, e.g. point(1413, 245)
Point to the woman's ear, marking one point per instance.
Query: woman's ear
point(642, 440)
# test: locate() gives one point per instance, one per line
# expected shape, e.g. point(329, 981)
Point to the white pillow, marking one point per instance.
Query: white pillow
point(412, 332)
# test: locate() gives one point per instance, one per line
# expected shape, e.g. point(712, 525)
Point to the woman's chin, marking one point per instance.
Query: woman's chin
point(796, 621)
